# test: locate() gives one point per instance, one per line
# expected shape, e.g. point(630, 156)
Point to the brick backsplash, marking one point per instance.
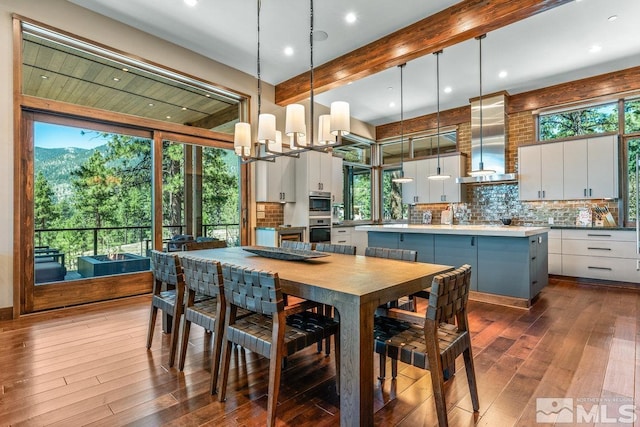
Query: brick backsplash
point(488, 203)
point(273, 214)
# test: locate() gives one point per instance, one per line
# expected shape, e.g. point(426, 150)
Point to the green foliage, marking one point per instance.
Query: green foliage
point(592, 120)
point(392, 207)
point(632, 116)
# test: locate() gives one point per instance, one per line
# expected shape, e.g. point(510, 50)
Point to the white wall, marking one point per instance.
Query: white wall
point(68, 17)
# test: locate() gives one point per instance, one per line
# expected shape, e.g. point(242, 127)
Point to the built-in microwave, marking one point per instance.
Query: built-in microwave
point(320, 203)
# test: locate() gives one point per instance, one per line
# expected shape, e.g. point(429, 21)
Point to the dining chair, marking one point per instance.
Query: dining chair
point(208, 244)
point(397, 254)
point(336, 249)
point(430, 341)
point(167, 274)
point(203, 277)
point(291, 244)
point(273, 330)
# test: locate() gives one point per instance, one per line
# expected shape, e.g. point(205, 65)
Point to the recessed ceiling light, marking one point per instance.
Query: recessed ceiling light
point(191, 3)
point(207, 95)
point(392, 104)
point(184, 108)
point(390, 88)
point(125, 69)
point(349, 83)
point(150, 104)
point(350, 17)
point(612, 18)
point(502, 74)
point(595, 48)
point(288, 51)
point(168, 117)
point(447, 89)
point(44, 77)
point(115, 79)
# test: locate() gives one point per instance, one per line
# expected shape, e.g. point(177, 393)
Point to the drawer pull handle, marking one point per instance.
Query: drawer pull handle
point(342, 241)
point(599, 235)
point(600, 249)
point(600, 268)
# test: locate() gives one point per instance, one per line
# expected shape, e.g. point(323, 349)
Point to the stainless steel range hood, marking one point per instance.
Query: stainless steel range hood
point(494, 130)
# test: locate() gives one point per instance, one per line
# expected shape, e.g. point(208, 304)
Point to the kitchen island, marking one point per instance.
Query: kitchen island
point(509, 263)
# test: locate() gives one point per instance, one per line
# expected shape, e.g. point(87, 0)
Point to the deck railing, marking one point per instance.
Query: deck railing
point(83, 241)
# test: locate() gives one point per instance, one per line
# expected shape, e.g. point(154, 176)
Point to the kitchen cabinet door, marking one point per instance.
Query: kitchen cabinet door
point(575, 169)
point(416, 191)
point(275, 181)
point(529, 172)
point(379, 239)
point(603, 167)
point(458, 250)
point(591, 168)
point(337, 180)
point(319, 172)
point(551, 171)
point(421, 243)
point(447, 190)
point(409, 188)
point(540, 172)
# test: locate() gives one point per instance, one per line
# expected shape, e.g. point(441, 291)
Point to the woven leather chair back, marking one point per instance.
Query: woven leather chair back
point(290, 244)
point(336, 249)
point(449, 294)
point(212, 244)
point(166, 267)
point(399, 254)
point(258, 291)
point(202, 276)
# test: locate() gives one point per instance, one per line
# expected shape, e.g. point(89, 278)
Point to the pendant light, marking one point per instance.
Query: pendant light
point(481, 171)
point(402, 179)
point(332, 127)
point(438, 175)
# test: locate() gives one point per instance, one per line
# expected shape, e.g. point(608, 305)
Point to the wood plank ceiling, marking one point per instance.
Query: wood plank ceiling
point(62, 73)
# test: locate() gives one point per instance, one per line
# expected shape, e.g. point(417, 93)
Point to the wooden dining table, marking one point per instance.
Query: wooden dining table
point(355, 286)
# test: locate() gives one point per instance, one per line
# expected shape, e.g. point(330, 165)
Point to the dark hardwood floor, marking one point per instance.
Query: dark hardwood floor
point(89, 366)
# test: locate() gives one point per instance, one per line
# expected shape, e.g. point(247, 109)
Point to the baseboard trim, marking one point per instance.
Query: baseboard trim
point(6, 313)
point(499, 299)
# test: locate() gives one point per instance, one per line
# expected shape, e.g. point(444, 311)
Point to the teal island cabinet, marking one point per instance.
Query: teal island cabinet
point(509, 263)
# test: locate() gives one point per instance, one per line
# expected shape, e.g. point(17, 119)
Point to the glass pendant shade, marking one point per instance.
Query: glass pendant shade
point(266, 128)
point(340, 118)
point(324, 130)
point(242, 139)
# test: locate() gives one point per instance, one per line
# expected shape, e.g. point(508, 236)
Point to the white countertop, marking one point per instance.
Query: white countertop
point(473, 230)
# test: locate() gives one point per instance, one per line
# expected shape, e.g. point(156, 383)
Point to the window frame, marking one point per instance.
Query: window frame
point(25, 297)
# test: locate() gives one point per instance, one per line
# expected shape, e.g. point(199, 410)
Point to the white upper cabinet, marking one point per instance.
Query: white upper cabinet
point(337, 180)
point(416, 191)
point(540, 171)
point(446, 190)
point(276, 181)
point(591, 168)
point(319, 170)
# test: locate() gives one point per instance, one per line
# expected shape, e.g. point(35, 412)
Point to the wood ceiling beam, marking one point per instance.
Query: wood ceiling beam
point(460, 22)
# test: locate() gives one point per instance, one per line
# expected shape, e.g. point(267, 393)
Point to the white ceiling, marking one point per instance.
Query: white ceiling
point(546, 49)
